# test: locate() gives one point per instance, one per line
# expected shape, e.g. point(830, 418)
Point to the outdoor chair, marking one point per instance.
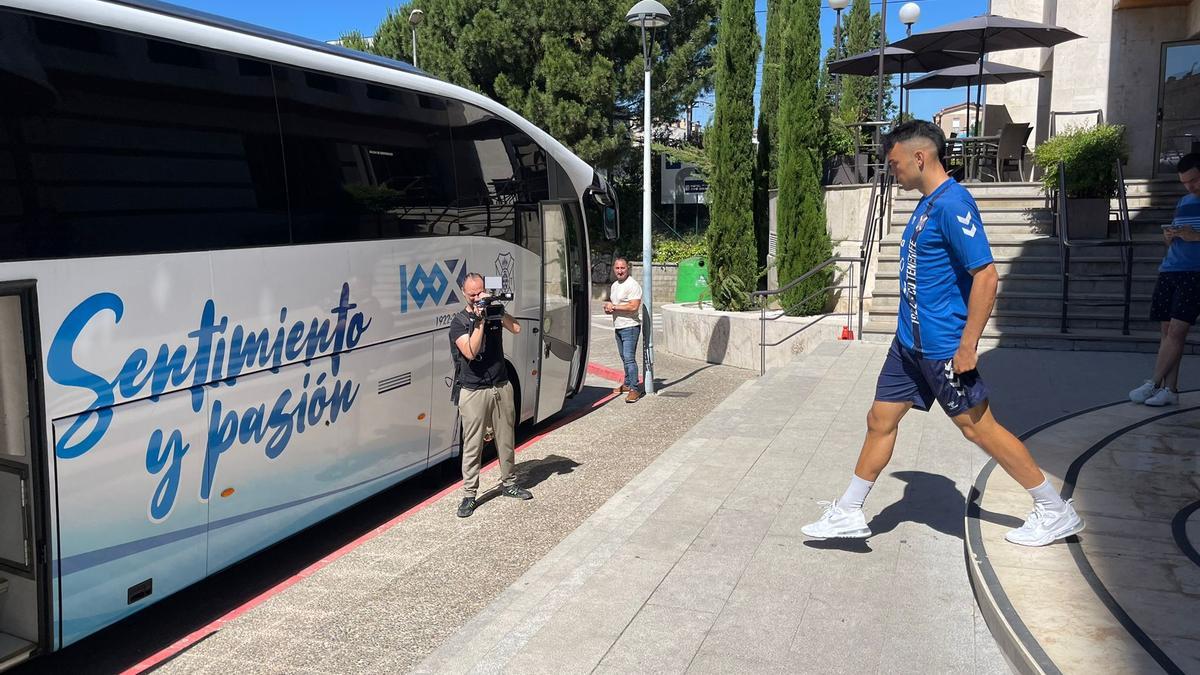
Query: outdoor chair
point(1007, 154)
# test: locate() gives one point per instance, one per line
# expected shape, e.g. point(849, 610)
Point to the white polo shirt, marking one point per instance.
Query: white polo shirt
point(621, 293)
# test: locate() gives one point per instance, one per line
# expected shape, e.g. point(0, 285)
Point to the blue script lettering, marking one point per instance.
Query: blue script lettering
point(158, 457)
point(216, 350)
point(225, 428)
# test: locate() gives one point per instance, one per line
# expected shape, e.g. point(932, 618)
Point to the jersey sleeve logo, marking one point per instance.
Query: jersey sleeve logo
point(966, 220)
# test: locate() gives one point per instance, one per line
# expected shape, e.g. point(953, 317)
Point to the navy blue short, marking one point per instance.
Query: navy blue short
point(908, 377)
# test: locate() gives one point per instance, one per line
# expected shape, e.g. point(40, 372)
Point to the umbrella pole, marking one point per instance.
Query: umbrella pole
point(979, 83)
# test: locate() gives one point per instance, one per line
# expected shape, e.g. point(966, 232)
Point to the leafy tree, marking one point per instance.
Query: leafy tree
point(573, 68)
point(803, 240)
point(733, 258)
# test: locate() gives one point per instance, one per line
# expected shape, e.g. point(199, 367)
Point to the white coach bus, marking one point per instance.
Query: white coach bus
point(228, 262)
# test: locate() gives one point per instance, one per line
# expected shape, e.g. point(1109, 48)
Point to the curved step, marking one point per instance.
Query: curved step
point(1122, 595)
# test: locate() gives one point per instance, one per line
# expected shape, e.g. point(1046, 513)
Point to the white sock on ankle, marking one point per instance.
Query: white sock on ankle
point(1046, 496)
point(855, 495)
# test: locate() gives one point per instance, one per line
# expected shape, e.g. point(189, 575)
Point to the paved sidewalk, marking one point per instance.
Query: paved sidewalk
point(698, 564)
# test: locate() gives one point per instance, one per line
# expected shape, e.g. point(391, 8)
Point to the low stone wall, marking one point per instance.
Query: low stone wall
point(732, 338)
point(664, 276)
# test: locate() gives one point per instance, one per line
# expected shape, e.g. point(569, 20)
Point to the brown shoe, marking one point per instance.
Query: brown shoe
point(633, 396)
point(620, 390)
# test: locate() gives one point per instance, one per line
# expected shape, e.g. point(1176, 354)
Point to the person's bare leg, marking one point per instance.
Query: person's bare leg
point(1170, 354)
point(843, 518)
point(981, 428)
point(883, 423)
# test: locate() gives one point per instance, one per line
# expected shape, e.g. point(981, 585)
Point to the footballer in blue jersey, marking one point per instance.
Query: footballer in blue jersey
point(947, 287)
point(1176, 299)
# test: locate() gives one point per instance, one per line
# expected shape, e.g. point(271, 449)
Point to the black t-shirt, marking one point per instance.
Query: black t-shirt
point(487, 369)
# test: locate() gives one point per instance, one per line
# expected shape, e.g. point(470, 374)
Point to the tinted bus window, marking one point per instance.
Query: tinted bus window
point(364, 161)
point(113, 144)
point(502, 176)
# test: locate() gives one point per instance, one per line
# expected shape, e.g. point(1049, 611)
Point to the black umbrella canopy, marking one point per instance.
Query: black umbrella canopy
point(897, 60)
point(968, 75)
point(987, 33)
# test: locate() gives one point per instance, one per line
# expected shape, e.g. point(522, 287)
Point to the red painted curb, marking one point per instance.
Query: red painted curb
point(195, 636)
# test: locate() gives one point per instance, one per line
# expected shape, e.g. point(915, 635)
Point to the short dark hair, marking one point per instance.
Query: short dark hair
point(912, 129)
point(1188, 162)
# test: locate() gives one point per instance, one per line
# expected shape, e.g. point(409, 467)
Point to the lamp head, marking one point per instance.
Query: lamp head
point(839, 5)
point(648, 14)
point(415, 17)
point(909, 13)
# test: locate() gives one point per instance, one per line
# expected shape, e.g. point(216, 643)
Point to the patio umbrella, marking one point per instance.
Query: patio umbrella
point(984, 34)
point(898, 61)
point(970, 74)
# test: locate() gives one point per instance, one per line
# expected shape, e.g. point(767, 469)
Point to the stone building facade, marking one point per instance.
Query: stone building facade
point(1138, 65)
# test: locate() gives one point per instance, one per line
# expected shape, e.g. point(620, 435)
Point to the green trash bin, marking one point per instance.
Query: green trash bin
point(692, 282)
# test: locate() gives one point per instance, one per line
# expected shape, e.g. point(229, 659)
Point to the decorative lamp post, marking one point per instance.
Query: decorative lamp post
point(647, 15)
point(837, 6)
point(415, 17)
point(909, 14)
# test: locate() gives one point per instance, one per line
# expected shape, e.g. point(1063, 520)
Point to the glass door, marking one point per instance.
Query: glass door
point(1178, 114)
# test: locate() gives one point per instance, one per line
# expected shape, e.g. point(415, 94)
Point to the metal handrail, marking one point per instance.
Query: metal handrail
point(762, 298)
point(1065, 244)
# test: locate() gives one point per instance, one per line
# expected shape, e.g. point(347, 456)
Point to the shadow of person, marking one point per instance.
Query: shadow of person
point(933, 501)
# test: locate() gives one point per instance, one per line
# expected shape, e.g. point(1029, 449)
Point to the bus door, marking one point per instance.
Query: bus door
point(24, 610)
point(558, 344)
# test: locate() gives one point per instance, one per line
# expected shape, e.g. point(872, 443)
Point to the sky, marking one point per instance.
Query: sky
point(325, 20)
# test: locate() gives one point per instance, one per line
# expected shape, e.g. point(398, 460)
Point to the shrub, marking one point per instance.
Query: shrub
point(672, 250)
point(1089, 156)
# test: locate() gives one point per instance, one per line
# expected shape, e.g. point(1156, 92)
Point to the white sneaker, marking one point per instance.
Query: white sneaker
point(1143, 392)
point(1044, 526)
point(837, 523)
point(1163, 397)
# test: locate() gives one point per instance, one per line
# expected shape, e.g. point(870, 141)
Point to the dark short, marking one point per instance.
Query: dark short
point(906, 376)
point(1176, 296)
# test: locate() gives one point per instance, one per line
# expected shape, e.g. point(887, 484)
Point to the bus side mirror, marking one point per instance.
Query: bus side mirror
point(612, 226)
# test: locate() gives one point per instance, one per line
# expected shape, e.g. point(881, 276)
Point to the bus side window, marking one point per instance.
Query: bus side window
point(364, 161)
point(502, 175)
point(114, 144)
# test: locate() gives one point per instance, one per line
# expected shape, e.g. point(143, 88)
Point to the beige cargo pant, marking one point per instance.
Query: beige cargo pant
point(483, 409)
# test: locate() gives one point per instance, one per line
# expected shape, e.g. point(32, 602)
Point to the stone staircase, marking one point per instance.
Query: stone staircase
point(1020, 227)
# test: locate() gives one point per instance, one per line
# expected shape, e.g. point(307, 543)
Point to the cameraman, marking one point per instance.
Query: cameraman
point(486, 397)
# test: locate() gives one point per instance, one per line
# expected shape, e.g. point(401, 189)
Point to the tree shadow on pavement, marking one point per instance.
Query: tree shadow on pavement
point(928, 499)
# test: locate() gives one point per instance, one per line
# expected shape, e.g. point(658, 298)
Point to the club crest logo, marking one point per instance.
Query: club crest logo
point(506, 267)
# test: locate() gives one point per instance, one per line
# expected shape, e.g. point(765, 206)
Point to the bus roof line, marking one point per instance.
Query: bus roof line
point(226, 23)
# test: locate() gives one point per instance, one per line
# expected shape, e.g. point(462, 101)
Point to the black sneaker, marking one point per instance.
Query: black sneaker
point(467, 507)
point(516, 492)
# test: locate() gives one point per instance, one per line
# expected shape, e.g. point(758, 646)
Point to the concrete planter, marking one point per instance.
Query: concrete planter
point(1087, 218)
point(732, 338)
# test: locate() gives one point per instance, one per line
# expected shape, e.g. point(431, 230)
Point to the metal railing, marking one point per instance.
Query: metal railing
point(877, 213)
point(762, 297)
point(1066, 245)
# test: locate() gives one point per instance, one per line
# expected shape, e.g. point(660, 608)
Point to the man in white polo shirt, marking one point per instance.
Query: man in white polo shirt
point(625, 304)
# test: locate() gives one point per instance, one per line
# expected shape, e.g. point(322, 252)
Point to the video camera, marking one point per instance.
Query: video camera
point(493, 310)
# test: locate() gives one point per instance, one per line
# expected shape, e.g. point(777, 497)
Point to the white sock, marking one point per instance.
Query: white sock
point(855, 494)
point(1046, 496)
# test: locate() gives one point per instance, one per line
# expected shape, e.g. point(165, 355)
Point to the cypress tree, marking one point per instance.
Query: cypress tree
point(768, 130)
point(803, 240)
point(733, 270)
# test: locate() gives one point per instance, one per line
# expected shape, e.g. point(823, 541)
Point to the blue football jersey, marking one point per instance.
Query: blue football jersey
point(943, 241)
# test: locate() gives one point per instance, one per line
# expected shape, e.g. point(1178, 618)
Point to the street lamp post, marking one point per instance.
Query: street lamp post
point(837, 6)
point(647, 14)
point(909, 14)
point(415, 17)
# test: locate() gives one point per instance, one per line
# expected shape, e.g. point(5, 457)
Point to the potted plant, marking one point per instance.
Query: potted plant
point(1088, 157)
